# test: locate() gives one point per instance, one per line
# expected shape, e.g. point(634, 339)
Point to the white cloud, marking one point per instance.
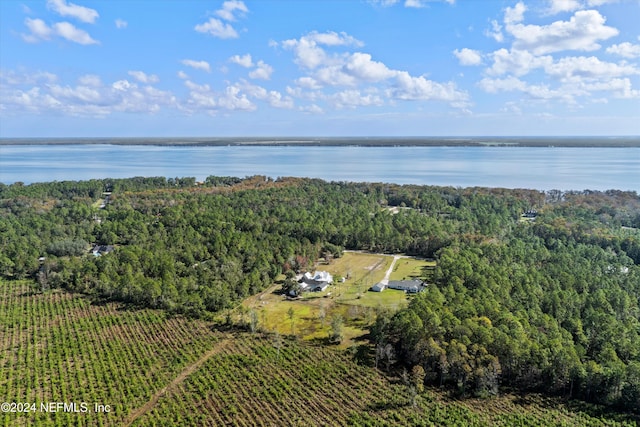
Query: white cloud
point(308, 51)
point(408, 87)
point(143, 77)
point(90, 80)
point(229, 9)
point(263, 71)
point(89, 98)
point(120, 23)
point(41, 31)
point(518, 62)
point(198, 65)
point(354, 98)
point(312, 109)
point(217, 28)
point(243, 61)
point(81, 13)
point(468, 56)
point(308, 83)
point(626, 50)
point(223, 30)
point(357, 68)
point(537, 92)
point(495, 32)
point(331, 38)
point(581, 32)
point(232, 99)
point(559, 6)
point(183, 75)
point(360, 66)
point(273, 98)
point(514, 15)
point(71, 33)
point(588, 67)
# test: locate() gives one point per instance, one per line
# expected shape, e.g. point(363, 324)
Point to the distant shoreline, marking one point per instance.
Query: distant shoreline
point(488, 141)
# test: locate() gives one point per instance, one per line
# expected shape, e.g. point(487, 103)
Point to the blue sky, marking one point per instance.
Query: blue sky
point(325, 68)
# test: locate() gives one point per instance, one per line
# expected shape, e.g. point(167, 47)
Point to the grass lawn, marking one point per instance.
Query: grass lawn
point(411, 268)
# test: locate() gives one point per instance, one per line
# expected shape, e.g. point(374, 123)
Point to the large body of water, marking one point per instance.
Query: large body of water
point(542, 168)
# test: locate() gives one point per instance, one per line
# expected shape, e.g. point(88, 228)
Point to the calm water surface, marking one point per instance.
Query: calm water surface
point(542, 168)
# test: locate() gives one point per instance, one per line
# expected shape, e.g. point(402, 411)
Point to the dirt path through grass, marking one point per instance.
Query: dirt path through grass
point(177, 380)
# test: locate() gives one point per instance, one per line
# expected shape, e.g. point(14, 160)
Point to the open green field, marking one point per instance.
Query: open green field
point(154, 370)
point(411, 268)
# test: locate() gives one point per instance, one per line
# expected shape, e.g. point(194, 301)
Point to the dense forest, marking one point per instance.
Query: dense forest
point(550, 302)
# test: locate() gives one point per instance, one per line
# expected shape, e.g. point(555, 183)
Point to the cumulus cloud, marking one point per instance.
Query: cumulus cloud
point(308, 49)
point(217, 28)
point(352, 98)
point(40, 31)
point(62, 8)
point(626, 50)
point(223, 30)
point(582, 32)
point(120, 23)
point(243, 61)
point(230, 8)
point(468, 56)
point(559, 6)
point(272, 97)
point(567, 79)
point(89, 97)
point(142, 77)
point(514, 15)
point(71, 33)
point(262, 71)
point(409, 87)
point(588, 67)
point(354, 69)
point(90, 80)
point(518, 62)
point(198, 65)
point(495, 32)
point(362, 67)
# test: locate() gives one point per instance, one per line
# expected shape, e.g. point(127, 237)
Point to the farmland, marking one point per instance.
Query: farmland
point(151, 369)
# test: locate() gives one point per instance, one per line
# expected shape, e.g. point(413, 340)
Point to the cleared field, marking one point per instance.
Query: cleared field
point(411, 268)
point(351, 299)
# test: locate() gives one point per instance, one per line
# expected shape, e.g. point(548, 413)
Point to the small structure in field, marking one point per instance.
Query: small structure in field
point(378, 287)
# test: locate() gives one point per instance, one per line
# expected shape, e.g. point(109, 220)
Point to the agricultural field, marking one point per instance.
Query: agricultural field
point(58, 347)
point(149, 369)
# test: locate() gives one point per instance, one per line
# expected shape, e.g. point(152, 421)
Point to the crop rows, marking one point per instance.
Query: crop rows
point(253, 383)
point(58, 347)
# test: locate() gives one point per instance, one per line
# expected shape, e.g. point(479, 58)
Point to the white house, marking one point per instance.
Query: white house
point(318, 281)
